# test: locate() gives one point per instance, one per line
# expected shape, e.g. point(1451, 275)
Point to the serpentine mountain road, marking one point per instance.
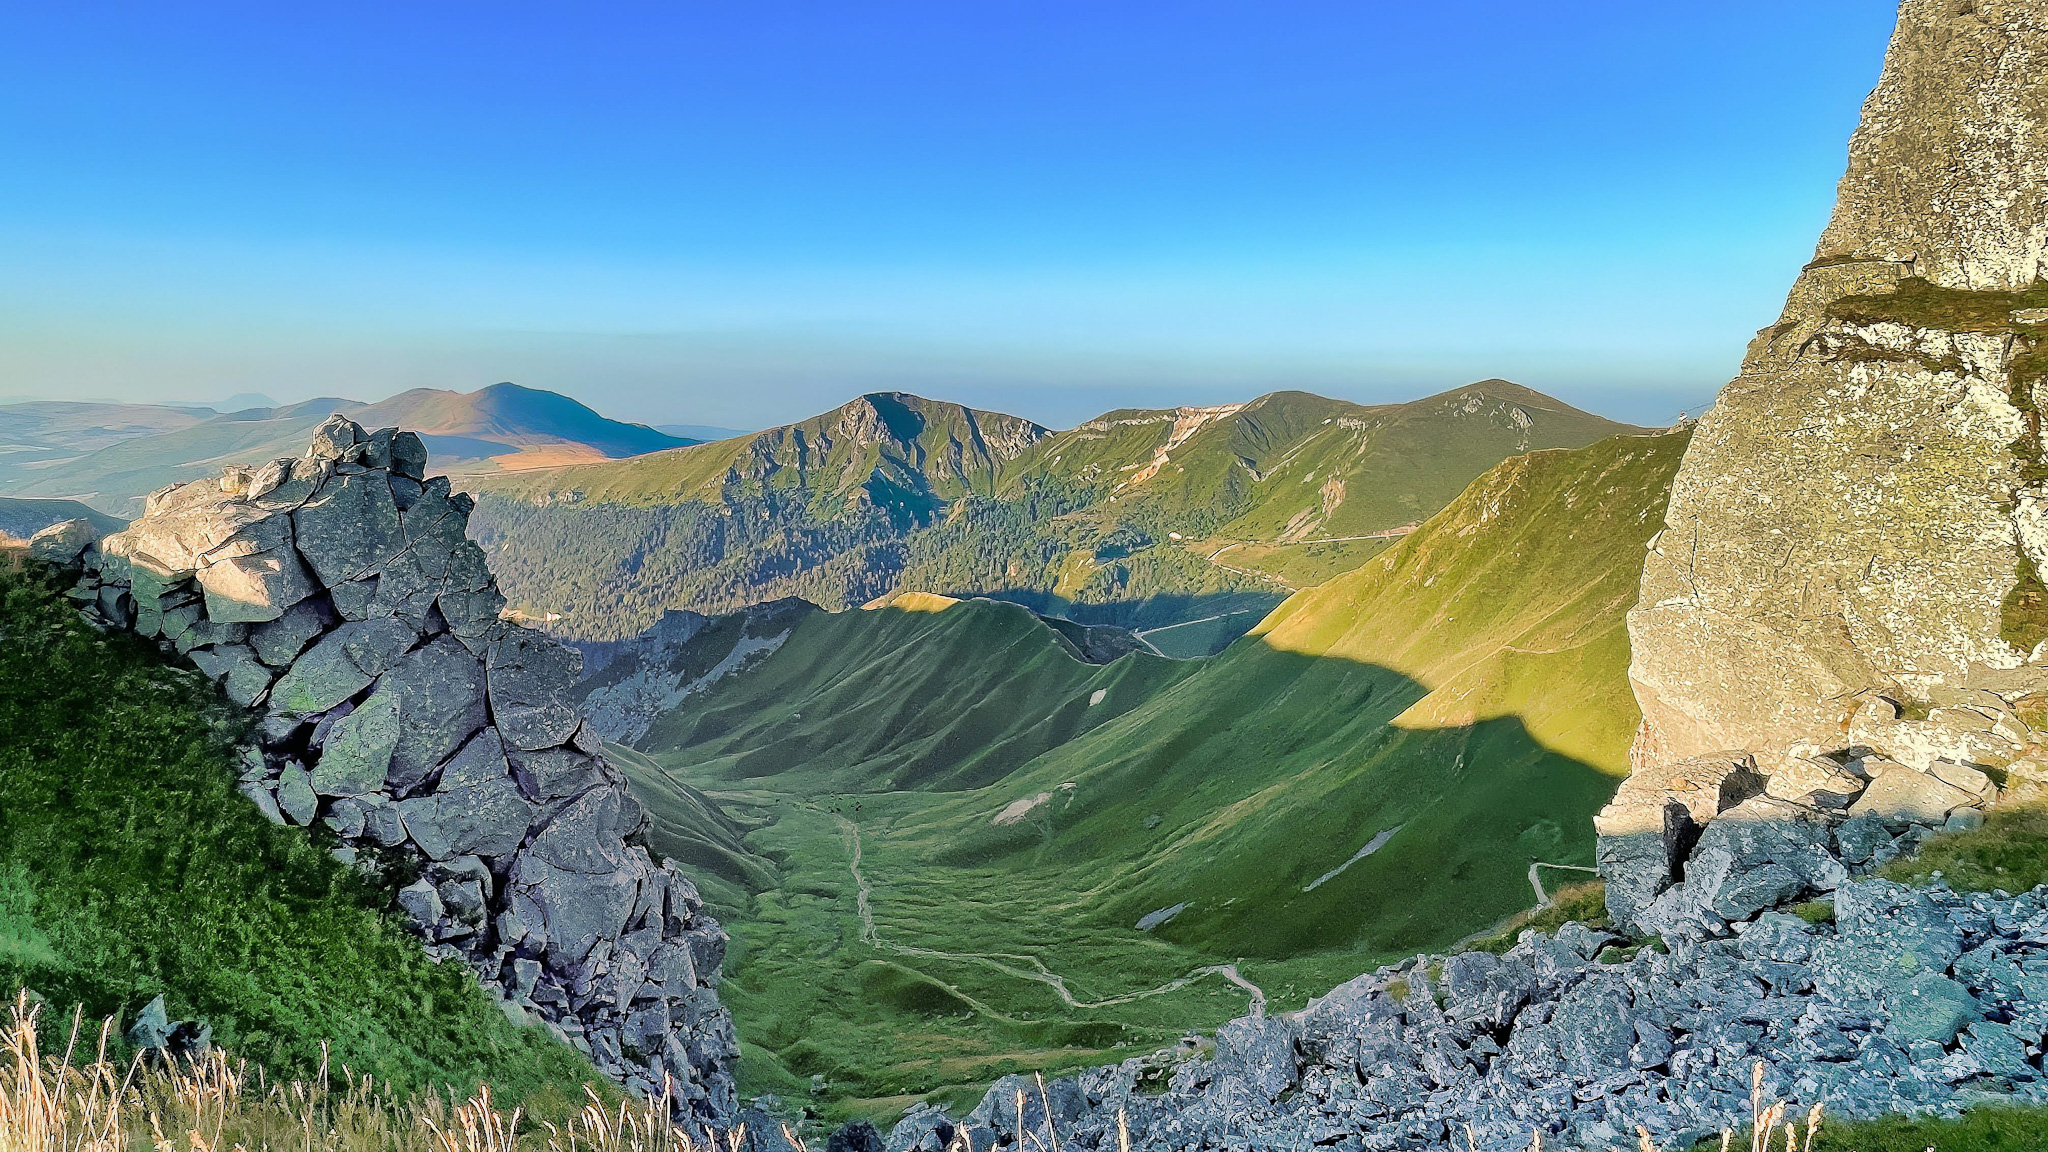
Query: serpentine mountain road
point(1008, 963)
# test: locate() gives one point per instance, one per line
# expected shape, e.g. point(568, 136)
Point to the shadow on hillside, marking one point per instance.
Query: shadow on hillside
point(1141, 612)
point(1243, 788)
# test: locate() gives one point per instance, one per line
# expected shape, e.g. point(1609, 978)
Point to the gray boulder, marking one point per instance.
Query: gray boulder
point(235, 668)
point(295, 795)
point(530, 676)
point(1760, 854)
point(438, 693)
point(61, 545)
point(475, 809)
point(1929, 1006)
point(349, 528)
point(278, 642)
point(1901, 795)
point(342, 664)
point(357, 751)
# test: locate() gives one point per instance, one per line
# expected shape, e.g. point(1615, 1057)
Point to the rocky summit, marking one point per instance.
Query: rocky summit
point(338, 594)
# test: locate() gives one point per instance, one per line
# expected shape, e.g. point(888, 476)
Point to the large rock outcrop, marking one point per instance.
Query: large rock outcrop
point(338, 593)
point(1848, 574)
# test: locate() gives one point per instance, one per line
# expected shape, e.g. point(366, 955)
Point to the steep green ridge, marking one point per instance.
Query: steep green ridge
point(817, 510)
point(130, 866)
point(1125, 519)
point(1295, 466)
point(1458, 705)
point(134, 450)
point(1148, 518)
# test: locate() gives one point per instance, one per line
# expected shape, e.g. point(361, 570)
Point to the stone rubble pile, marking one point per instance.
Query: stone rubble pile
point(339, 594)
point(1912, 1000)
point(1688, 848)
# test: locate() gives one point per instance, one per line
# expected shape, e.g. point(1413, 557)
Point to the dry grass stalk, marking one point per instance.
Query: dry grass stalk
point(213, 1104)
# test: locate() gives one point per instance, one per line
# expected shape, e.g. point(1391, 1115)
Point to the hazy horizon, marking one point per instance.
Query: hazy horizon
point(744, 217)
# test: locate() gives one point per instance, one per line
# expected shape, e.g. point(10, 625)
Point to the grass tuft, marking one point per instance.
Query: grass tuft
point(83, 1098)
point(2009, 853)
point(1585, 903)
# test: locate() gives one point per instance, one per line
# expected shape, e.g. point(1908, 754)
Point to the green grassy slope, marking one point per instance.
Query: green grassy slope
point(818, 510)
point(129, 867)
point(1298, 466)
point(885, 449)
point(1460, 702)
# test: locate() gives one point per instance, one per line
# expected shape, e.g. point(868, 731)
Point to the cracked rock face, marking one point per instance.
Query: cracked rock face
point(340, 594)
point(1846, 521)
point(1950, 168)
point(1829, 598)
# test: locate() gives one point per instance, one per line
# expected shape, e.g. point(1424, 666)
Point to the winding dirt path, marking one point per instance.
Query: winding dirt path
point(1536, 881)
point(1022, 967)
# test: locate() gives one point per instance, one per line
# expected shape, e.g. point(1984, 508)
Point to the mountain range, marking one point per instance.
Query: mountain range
point(112, 455)
point(1141, 518)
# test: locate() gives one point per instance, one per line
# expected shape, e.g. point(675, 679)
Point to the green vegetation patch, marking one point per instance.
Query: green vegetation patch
point(1990, 1129)
point(2023, 616)
point(130, 866)
point(1584, 903)
point(2009, 852)
point(1923, 304)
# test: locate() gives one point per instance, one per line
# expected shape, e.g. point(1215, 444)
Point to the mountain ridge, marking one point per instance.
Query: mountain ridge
point(495, 428)
point(1120, 520)
point(1468, 685)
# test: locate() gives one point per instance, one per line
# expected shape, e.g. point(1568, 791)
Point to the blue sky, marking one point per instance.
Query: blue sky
point(741, 214)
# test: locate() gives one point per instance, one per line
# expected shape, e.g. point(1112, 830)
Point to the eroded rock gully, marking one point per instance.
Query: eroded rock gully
point(339, 595)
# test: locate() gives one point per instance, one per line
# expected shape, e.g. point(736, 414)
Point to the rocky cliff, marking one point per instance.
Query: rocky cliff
point(1846, 586)
point(339, 595)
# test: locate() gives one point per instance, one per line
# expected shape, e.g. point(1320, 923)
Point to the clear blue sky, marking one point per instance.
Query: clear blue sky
point(743, 213)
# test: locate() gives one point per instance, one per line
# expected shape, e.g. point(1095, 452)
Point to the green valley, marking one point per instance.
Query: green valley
point(948, 849)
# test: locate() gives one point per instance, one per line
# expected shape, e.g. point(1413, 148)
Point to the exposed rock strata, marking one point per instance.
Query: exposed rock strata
point(1845, 521)
point(339, 594)
point(1911, 1001)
